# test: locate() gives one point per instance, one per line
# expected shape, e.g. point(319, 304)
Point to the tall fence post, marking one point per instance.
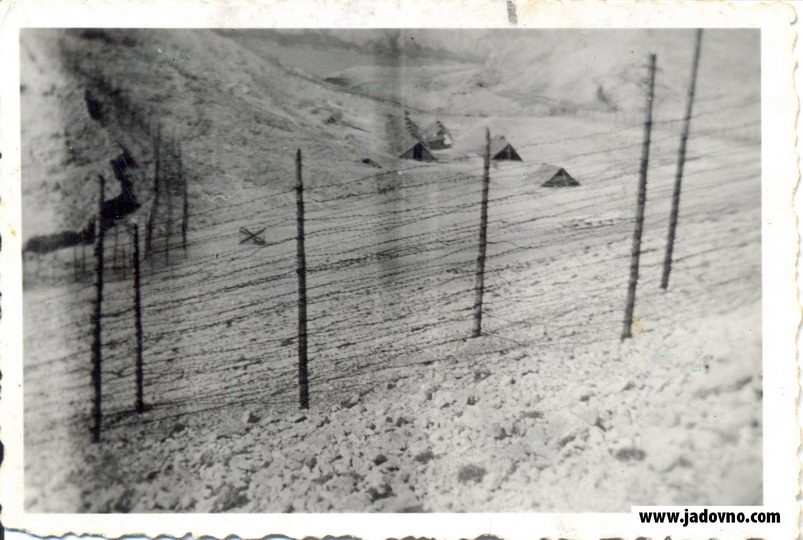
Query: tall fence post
point(140, 403)
point(96, 334)
point(673, 214)
point(301, 270)
point(479, 285)
point(185, 210)
point(635, 254)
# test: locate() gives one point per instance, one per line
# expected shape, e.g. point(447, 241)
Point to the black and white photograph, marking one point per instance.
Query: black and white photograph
point(391, 270)
point(369, 271)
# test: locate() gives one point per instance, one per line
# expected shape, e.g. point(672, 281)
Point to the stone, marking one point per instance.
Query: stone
point(350, 401)
point(471, 474)
point(424, 456)
point(243, 463)
point(379, 492)
point(166, 500)
point(497, 431)
point(187, 501)
point(630, 454)
point(207, 457)
point(249, 417)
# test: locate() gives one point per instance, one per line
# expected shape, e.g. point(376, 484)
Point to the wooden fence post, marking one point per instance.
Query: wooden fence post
point(301, 271)
point(96, 334)
point(673, 214)
point(479, 286)
point(140, 403)
point(635, 254)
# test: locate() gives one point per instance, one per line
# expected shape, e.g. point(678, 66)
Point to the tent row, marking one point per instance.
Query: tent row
point(416, 143)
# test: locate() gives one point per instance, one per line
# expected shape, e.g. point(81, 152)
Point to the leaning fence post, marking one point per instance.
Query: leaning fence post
point(96, 334)
point(673, 214)
point(140, 404)
point(301, 271)
point(627, 330)
point(479, 286)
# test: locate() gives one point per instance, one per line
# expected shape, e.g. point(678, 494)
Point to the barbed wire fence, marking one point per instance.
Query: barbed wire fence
point(223, 283)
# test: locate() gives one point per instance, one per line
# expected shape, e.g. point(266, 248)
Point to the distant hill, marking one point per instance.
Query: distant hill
point(241, 101)
point(556, 71)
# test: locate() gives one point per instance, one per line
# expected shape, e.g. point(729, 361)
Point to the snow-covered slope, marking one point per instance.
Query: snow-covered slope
point(406, 408)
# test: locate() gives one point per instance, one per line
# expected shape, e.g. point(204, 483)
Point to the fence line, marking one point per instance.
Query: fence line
point(425, 245)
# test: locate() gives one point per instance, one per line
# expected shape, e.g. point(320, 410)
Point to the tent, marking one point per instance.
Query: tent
point(410, 148)
point(437, 136)
point(501, 149)
point(554, 176)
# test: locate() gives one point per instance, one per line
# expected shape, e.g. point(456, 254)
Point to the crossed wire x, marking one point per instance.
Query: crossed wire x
point(252, 237)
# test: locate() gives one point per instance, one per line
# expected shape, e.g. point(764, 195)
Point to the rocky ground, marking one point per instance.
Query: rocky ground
point(654, 421)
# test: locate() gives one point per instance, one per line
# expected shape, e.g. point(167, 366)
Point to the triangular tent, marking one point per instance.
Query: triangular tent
point(402, 142)
point(554, 176)
point(437, 136)
point(501, 149)
point(410, 148)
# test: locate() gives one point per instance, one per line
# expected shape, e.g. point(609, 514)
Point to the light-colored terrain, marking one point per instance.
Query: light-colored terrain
point(547, 411)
